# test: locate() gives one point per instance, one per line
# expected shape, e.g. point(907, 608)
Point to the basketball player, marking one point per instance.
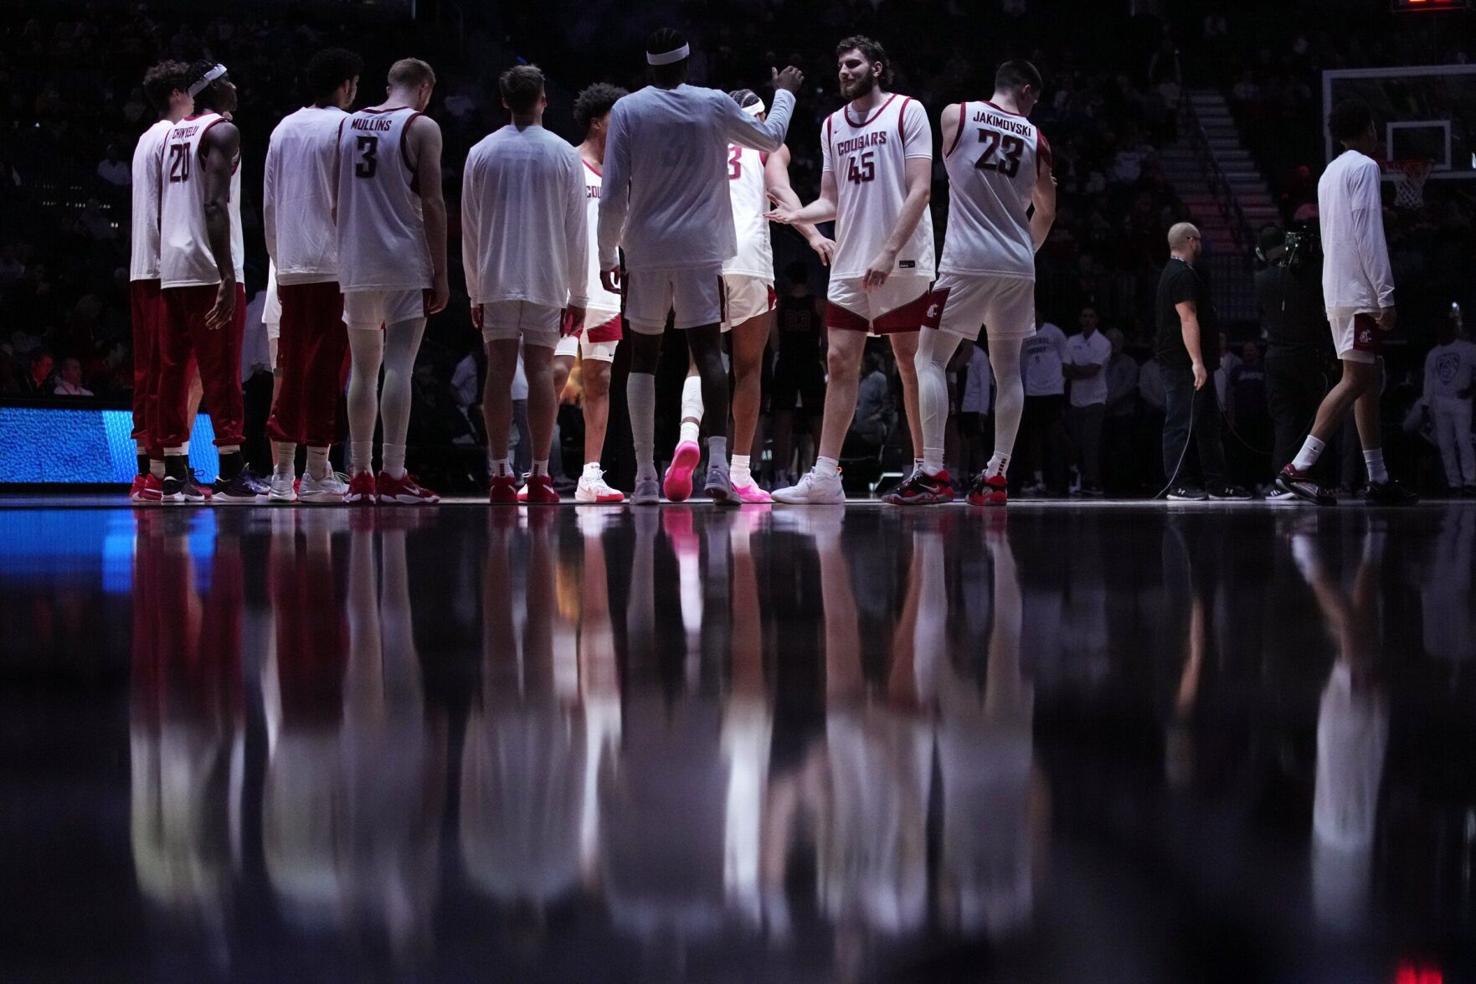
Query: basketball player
point(301, 239)
point(525, 245)
point(1358, 288)
point(392, 269)
point(167, 87)
point(999, 166)
point(754, 178)
point(595, 341)
point(878, 152)
point(667, 154)
point(201, 261)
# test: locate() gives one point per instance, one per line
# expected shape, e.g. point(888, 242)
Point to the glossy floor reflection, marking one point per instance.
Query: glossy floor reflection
point(593, 744)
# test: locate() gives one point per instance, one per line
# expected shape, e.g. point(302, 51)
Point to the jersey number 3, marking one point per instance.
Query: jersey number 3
point(1007, 148)
point(735, 163)
point(368, 164)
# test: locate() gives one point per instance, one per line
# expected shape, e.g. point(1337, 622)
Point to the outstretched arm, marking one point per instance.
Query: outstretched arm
point(781, 193)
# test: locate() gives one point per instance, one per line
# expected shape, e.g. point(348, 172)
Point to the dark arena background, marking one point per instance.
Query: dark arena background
point(1145, 723)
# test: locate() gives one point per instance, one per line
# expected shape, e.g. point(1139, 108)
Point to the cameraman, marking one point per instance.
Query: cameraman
point(1294, 324)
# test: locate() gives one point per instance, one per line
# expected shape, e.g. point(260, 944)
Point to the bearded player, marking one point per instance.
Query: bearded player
point(878, 152)
point(999, 167)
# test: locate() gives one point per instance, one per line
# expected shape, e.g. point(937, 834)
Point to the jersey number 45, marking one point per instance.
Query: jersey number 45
point(862, 167)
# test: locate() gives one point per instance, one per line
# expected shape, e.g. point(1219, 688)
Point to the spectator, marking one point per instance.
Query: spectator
point(1450, 377)
point(70, 383)
point(36, 381)
point(1043, 421)
point(875, 409)
point(114, 170)
point(976, 414)
point(1122, 407)
point(1087, 355)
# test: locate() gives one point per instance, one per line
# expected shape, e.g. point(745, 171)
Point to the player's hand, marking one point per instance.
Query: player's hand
point(1385, 319)
point(571, 394)
point(1200, 376)
point(573, 320)
point(824, 248)
point(879, 269)
point(437, 297)
point(781, 215)
point(476, 313)
point(612, 280)
point(789, 80)
point(225, 305)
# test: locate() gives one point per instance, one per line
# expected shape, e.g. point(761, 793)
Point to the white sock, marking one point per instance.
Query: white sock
point(717, 451)
point(540, 467)
point(691, 408)
point(228, 448)
point(501, 467)
point(317, 463)
point(917, 463)
point(827, 467)
point(739, 472)
point(593, 471)
point(640, 397)
point(361, 457)
point(284, 456)
point(932, 461)
point(998, 464)
point(393, 460)
point(156, 468)
point(1374, 462)
point(1312, 449)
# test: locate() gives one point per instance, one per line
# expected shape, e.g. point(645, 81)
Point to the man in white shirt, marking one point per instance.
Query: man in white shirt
point(1450, 374)
point(524, 242)
point(1087, 355)
point(667, 207)
point(302, 241)
point(1358, 288)
point(1042, 359)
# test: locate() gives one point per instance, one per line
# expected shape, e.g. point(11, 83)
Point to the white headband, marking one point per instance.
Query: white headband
point(208, 78)
point(755, 109)
point(669, 57)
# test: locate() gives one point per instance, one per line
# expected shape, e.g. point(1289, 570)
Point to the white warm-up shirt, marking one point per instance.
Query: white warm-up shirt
point(1083, 351)
point(868, 157)
point(298, 192)
point(143, 260)
point(1041, 357)
point(523, 226)
point(1355, 264)
point(1449, 370)
point(665, 195)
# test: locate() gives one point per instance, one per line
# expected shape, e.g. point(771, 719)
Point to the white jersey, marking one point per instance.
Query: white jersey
point(993, 164)
point(869, 160)
point(746, 190)
point(666, 171)
point(185, 259)
point(1450, 370)
point(523, 226)
point(143, 260)
point(1355, 257)
point(297, 195)
point(381, 227)
point(600, 299)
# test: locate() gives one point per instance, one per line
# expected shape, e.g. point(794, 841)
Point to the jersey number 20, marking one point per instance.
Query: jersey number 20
point(368, 164)
point(179, 163)
point(1008, 149)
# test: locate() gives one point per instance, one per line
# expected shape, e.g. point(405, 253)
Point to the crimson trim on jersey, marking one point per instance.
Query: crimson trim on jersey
point(963, 114)
point(597, 172)
point(828, 141)
point(391, 109)
point(846, 109)
point(909, 317)
point(235, 164)
point(610, 331)
point(991, 103)
point(902, 124)
point(405, 146)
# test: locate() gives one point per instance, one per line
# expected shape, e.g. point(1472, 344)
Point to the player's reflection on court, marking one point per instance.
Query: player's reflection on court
point(356, 764)
point(1352, 728)
point(531, 746)
point(682, 799)
point(186, 727)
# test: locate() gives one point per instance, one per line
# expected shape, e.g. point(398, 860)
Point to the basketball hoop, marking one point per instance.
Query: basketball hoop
point(1409, 181)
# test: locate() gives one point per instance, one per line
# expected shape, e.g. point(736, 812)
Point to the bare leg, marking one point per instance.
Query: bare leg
point(596, 407)
point(750, 339)
point(497, 408)
point(1358, 378)
point(543, 403)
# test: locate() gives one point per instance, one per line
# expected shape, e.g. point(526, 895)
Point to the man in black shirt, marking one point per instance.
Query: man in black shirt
point(1298, 356)
point(1188, 342)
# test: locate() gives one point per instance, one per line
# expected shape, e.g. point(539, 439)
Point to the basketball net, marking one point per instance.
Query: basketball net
point(1409, 181)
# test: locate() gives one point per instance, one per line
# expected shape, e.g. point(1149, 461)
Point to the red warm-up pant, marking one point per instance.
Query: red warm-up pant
point(313, 359)
point(148, 321)
point(184, 342)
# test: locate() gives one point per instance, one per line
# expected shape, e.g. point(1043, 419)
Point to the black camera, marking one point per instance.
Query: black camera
point(1294, 249)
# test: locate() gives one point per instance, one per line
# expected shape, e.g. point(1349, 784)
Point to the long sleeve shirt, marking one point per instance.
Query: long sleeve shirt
point(1355, 265)
point(1450, 370)
point(665, 195)
point(524, 234)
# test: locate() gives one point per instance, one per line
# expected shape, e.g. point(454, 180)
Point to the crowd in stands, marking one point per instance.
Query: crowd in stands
point(1115, 85)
